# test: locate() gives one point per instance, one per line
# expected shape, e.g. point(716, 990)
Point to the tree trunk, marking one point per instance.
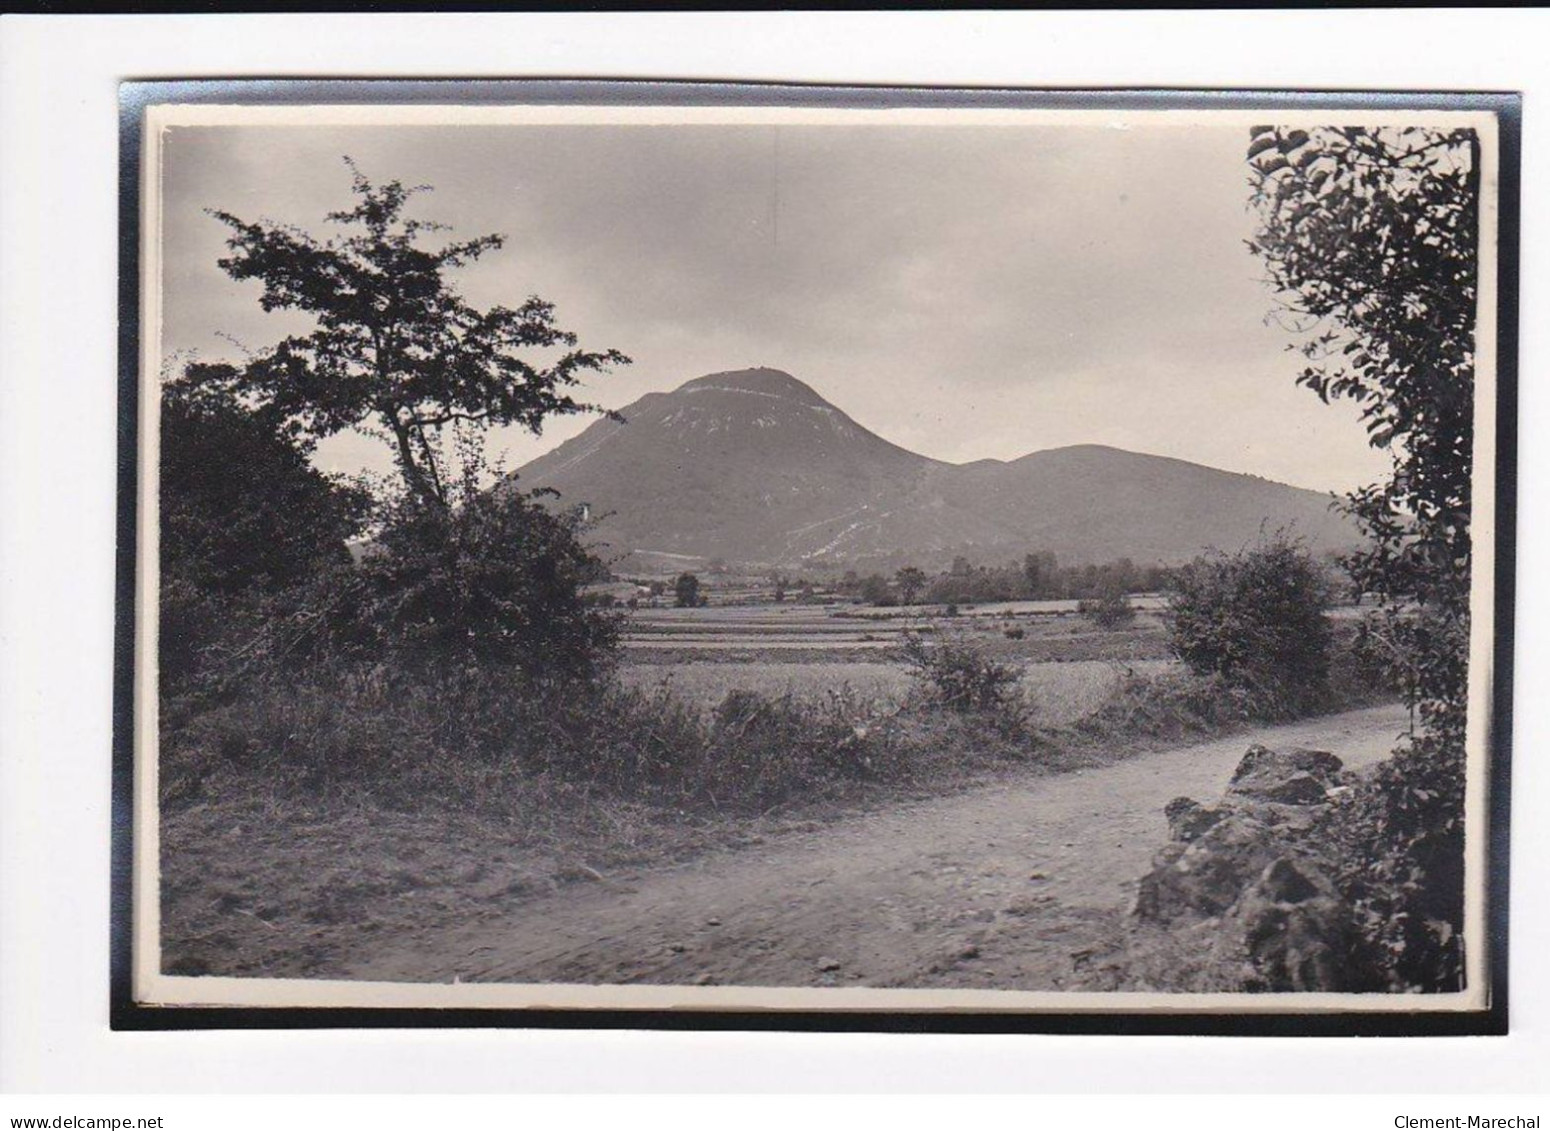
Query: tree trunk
point(414, 474)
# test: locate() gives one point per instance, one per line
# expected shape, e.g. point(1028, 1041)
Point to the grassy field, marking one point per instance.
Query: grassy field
point(793, 635)
point(1069, 665)
point(1059, 693)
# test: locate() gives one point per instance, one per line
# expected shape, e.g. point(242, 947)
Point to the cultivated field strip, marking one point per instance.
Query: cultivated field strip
point(788, 628)
point(1058, 693)
point(749, 632)
point(736, 644)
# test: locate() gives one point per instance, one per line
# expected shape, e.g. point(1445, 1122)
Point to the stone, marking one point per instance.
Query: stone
point(1298, 789)
point(1291, 881)
point(1296, 932)
point(1284, 818)
point(1188, 819)
point(1288, 777)
point(1205, 877)
point(827, 964)
point(1244, 880)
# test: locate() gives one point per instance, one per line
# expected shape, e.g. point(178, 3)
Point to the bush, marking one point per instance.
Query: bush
point(245, 520)
point(1108, 610)
point(764, 750)
point(1171, 706)
point(1399, 839)
point(493, 582)
point(875, 591)
point(960, 676)
point(1360, 672)
point(1256, 619)
point(686, 591)
point(496, 742)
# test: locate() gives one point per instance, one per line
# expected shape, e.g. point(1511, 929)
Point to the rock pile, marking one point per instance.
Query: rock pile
point(1245, 876)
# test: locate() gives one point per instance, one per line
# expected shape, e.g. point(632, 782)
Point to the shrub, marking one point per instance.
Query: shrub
point(493, 582)
point(245, 519)
point(1172, 705)
point(686, 591)
point(960, 676)
point(1109, 609)
point(875, 591)
point(763, 750)
point(1360, 669)
point(1399, 841)
point(1256, 619)
point(1394, 331)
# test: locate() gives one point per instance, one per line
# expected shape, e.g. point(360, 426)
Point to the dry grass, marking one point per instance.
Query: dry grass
point(317, 817)
point(267, 872)
point(706, 684)
point(273, 886)
point(1058, 694)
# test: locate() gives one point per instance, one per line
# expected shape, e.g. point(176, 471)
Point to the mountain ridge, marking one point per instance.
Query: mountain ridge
point(755, 466)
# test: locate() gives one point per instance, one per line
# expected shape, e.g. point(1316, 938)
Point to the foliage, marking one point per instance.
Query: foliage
point(686, 591)
point(1370, 237)
point(875, 590)
point(456, 736)
point(763, 750)
point(494, 580)
point(244, 520)
point(455, 573)
point(910, 581)
point(242, 506)
point(1173, 705)
point(1039, 573)
point(1039, 577)
point(1109, 609)
point(1399, 841)
point(464, 735)
point(395, 349)
point(961, 676)
point(1256, 619)
point(1359, 674)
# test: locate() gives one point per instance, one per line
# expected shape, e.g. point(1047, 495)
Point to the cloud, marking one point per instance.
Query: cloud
point(967, 291)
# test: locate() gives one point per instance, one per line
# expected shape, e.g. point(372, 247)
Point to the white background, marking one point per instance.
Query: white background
point(58, 122)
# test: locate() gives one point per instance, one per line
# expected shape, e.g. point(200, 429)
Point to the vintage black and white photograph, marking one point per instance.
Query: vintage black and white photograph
point(864, 558)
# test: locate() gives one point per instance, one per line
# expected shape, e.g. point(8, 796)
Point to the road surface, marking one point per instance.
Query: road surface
point(999, 887)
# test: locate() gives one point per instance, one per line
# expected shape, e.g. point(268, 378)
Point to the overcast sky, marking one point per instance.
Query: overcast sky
point(966, 292)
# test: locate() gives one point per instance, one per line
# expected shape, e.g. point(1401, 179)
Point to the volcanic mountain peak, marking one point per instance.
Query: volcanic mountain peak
point(752, 414)
point(760, 381)
point(754, 466)
point(1076, 455)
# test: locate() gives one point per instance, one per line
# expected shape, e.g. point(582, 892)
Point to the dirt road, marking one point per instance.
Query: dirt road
point(998, 887)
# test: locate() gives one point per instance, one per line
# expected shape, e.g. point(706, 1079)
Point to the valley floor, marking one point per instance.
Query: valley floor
point(1009, 885)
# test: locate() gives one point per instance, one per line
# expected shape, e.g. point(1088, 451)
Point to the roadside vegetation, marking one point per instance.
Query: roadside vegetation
point(1369, 239)
point(547, 781)
point(418, 657)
